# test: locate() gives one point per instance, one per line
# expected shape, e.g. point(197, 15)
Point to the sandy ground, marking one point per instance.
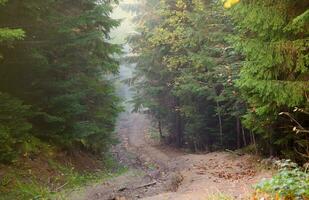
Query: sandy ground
point(158, 173)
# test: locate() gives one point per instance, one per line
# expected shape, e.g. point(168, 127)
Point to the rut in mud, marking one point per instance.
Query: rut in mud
point(158, 172)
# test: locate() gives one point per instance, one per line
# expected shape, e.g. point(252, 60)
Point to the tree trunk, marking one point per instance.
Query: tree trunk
point(270, 146)
point(178, 129)
point(178, 125)
point(253, 142)
point(195, 146)
point(243, 135)
point(160, 129)
point(238, 132)
point(220, 125)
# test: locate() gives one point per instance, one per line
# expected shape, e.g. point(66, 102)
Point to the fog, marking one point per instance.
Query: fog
point(118, 36)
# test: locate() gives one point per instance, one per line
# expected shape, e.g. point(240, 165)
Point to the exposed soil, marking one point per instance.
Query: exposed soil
point(158, 172)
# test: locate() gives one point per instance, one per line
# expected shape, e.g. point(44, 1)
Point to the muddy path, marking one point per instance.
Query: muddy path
point(157, 172)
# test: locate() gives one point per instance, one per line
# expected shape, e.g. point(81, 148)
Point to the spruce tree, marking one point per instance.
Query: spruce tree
point(273, 36)
point(62, 69)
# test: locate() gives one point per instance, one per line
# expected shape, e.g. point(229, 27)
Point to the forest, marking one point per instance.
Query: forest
point(212, 75)
point(226, 79)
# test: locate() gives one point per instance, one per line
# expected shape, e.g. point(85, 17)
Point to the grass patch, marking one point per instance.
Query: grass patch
point(44, 179)
point(78, 182)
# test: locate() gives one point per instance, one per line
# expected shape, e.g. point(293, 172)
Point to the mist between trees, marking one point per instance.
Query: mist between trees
point(217, 78)
point(54, 74)
point(213, 78)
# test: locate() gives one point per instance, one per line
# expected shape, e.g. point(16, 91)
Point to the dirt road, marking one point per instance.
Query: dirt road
point(158, 173)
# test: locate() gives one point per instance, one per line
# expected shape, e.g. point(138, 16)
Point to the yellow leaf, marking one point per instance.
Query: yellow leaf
point(227, 4)
point(230, 3)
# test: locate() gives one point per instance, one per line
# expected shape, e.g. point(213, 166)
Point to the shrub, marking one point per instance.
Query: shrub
point(13, 126)
point(291, 182)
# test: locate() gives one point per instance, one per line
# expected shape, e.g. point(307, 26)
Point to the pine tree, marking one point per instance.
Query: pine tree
point(273, 36)
point(62, 69)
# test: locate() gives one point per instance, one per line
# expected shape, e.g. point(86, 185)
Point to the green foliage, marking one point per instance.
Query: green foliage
point(186, 71)
point(2, 2)
point(154, 134)
point(199, 87)
point(14, 127)
point(18, 184)
point(7, 34)
point(32, 190)
point(61, 69)
point(290, 182)
point(273, 37)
